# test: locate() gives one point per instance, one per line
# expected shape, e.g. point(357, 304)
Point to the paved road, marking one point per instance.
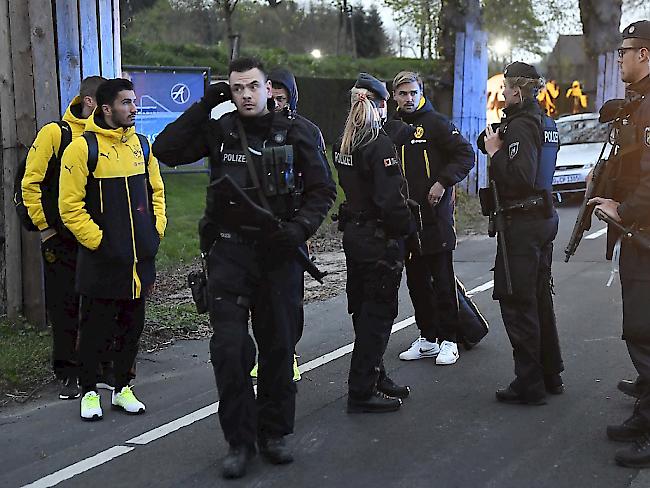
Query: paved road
point(450, 433)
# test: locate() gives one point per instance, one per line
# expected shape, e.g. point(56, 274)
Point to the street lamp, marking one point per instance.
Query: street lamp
point(316, 54)
point(501, 47)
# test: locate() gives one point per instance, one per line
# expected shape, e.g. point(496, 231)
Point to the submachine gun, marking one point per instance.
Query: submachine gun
point(260, 220)
point(612, 110)
point(634, 235)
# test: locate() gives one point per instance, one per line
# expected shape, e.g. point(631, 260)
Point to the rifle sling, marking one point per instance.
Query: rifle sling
point(251, 166)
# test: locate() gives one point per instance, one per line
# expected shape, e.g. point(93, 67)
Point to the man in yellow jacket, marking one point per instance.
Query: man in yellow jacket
point(112, 199)
point(40, 189)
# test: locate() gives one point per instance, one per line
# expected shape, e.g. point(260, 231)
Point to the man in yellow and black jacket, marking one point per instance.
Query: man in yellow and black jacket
point(434, 160)
point(112, 199)
point(40, 194)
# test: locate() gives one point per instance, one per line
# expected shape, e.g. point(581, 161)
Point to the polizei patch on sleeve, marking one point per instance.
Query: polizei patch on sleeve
point(513, 149)
point(343, 159)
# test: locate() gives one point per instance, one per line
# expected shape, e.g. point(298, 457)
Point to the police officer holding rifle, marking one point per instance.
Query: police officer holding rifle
point(625, 206)
point(523, 148)
point(270, 191)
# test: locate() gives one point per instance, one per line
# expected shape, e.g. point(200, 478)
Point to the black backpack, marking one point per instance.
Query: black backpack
point(53, 168)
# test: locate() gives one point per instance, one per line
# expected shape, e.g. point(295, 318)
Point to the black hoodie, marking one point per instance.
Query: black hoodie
point(286, 79)
point(436, 153)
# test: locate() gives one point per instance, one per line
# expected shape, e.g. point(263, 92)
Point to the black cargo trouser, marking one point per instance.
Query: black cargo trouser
point(245, 279)
point(635, 289)
point(106, 325)
point(62, 302)
point(374, 271)
point(528, 313)
point(432, 286)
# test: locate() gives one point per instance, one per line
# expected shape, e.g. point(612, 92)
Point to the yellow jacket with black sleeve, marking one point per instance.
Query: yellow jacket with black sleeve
point(40, 185)
point(116, 212)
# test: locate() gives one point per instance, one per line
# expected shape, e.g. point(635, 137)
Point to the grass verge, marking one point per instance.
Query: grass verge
point(24, 359)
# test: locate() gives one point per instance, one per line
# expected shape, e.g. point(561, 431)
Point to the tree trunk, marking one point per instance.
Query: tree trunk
point(600, 20)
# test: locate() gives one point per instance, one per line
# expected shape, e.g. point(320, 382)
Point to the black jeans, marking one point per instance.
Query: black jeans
point(245, 279)
point(106, 324)
point(62, 302)
point(374, 271)
point(528, 313)
point(432, 286)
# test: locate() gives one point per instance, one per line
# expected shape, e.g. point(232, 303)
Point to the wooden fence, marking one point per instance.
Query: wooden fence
point(470, 97)
point(47, 47)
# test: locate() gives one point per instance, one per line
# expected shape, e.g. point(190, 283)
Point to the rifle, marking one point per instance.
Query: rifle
point(261, 220)
point(626, 232)
point(595, 188)
point(497, 227)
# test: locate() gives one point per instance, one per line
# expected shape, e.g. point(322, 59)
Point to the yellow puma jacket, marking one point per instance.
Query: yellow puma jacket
point(116, 213)
point(40, 185)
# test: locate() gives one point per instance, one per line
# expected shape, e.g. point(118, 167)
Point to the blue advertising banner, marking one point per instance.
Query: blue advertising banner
point(163, 94)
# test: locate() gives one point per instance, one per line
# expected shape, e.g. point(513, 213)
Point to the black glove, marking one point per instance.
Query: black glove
point(288, 237)
point(216, 94)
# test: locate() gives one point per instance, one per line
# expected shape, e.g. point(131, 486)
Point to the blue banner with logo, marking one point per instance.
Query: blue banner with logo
point(163, 94)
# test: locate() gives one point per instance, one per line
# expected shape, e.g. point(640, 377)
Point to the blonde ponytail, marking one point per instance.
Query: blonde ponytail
point(363, 123)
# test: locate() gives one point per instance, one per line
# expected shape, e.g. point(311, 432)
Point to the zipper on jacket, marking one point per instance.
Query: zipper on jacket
point(136, 284)
point(426, 162)
point(403, 163)
point(101, 198)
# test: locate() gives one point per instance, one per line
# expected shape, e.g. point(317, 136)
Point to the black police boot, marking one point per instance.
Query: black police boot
point(631, 430)
point(630, 388)
point(275, 450)
point(553, 384)
point(377, 403)
point(234, 464)
point(388, 387)
point(508, 395)
point(636, 456)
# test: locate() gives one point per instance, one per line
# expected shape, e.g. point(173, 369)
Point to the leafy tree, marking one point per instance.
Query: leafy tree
point(422, 17)
point(370, 38)
point(524, 28)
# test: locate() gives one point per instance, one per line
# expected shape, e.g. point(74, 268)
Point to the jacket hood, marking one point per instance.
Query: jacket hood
point(120, 134)
point(423, 107)
point(73, 114)
point(286, 78)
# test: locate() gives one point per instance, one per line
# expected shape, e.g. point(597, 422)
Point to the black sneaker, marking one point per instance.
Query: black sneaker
point(630, 388)
point(275, 450)
point(391, 389)
point(234, 464)
point(508, 395)
point(553, 384)
point(377, 403)
point(631, 430)
point(636, 456)
point(69, 389)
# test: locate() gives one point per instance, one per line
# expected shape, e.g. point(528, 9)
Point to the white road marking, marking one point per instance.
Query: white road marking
point(159, 432)
point(597, 234)
point(80, 467)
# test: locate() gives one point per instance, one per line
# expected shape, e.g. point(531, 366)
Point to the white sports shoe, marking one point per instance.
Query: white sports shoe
point(448, 353)
point(126, 400)
point(91, 408)
point(421, 348)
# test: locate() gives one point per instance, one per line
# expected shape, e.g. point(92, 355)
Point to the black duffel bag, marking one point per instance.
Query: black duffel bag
point(472, 326)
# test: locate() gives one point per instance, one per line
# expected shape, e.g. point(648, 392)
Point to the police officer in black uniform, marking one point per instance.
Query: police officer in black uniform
point(374, 220)
point(250, 272)
point(628, 202)
point(523, 150)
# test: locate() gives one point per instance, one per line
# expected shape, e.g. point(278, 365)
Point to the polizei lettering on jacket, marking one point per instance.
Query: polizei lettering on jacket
point(343, 159)
point(234, 158)
point(551, 136)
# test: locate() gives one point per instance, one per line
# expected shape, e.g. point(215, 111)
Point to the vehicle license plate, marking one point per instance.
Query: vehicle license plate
point(564, 179)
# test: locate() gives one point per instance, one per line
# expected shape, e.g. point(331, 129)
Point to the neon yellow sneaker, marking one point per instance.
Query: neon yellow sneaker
point(126, 400)
point(254, 371)
point(296, 371)
point(91, 408)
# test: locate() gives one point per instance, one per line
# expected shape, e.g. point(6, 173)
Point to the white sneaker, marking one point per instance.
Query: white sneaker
point(421, 348)
point(127, 401)
point(448, 353)
point(91, 408)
